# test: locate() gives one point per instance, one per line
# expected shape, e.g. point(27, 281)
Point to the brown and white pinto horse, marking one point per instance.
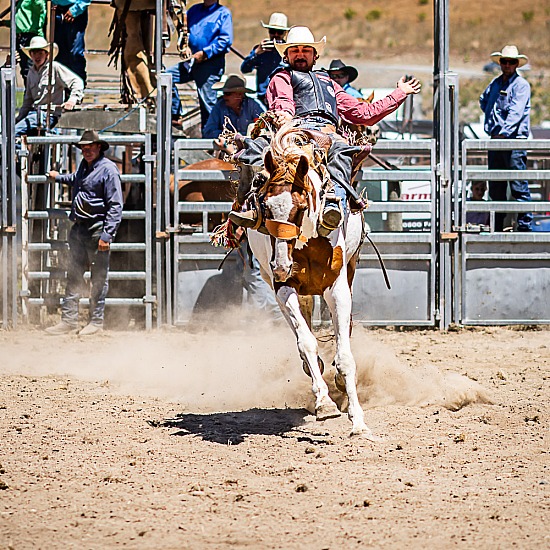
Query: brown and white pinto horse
point(296, 262)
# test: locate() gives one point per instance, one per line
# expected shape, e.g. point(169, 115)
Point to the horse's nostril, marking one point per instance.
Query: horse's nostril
point(280, 274)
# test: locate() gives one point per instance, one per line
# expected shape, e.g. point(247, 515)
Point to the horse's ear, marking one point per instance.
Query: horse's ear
point(370, 98)
point(269, 163)
point(302, 168)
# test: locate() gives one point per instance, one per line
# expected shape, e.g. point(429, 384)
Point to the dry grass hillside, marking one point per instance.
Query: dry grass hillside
point(389, 28)
point(391, 36)
point(382, 29)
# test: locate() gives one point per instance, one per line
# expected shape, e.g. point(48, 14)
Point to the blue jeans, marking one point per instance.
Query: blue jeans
point(510, 160)
point(260, 295)
point(205, 75)
point(70, 39)
point(27, 126)
point(83, 253)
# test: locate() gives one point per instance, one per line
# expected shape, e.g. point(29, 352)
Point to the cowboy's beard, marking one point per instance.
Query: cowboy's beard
point(301, 64)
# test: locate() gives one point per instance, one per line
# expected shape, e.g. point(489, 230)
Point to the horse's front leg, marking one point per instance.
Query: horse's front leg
point(287, 298)
point(338, 298)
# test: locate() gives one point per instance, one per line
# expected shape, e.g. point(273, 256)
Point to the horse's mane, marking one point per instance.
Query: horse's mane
point(289, 144)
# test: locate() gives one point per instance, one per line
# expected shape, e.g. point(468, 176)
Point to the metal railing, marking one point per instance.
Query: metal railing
point(504, 276)
point(410, 257)
point(54, 211)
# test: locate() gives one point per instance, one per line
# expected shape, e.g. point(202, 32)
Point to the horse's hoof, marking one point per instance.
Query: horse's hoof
point(340, 382)
point(326, 411)
point(366, 433)
point(305, 366)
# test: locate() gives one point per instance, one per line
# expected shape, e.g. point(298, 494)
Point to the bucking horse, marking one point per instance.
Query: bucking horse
point(298, 263)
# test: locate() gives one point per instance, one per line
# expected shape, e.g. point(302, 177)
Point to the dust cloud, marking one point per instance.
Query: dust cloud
point(231, 365)
point(384, 380)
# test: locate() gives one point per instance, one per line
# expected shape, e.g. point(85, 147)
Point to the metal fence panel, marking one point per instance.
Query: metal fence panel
point(42, 270)
point(409, 257)
point(504, 277)
point(8, 202)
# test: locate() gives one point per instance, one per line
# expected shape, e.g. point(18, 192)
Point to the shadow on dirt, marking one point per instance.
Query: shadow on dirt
point(231, 428)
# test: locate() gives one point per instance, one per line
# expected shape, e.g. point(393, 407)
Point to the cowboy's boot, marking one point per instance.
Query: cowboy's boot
point(246, 219)
point(331, 215)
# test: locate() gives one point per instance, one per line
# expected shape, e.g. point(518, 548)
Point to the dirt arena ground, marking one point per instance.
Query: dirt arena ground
point(176, 440)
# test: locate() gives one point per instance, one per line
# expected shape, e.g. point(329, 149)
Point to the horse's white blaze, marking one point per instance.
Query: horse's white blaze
point(309, 223)
point(280, 206)
point(282, 262)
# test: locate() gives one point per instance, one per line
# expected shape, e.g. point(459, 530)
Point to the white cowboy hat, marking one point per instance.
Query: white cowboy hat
point(277, 21)
point(510, 52)
point(233, 83)
point(39, 43)
point(301, 36)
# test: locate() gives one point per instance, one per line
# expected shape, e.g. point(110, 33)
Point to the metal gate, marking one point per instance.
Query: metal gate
point(504, 278)
point(410, 257)
point(45, 210)
point(196, 262)
point(8, 203)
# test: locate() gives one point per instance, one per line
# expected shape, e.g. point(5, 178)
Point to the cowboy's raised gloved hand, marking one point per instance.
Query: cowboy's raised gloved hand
point(412, 86)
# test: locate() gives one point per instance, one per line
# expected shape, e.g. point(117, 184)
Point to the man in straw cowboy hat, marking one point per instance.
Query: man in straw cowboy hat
point(316, 102)
point(96, 211)
point(264, 57)
point(506, 103)
point(344, 75)
point(38, 92)
point(233, 105)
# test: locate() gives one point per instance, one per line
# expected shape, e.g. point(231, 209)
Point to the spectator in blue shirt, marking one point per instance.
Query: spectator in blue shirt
point(71, 20)
point(506, 103)
point(96, 212)
point(210, 37)
point(233, 105)
point(344, 75)
point(264, 57)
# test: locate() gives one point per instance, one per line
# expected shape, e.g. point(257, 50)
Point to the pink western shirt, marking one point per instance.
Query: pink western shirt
point(280, 97)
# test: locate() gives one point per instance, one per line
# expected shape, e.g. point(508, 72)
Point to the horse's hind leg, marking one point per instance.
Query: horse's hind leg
point(307, 346)
point(338, 298)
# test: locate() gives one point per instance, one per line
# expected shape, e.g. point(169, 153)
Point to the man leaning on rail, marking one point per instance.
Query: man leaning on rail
point(96, 211)
point(506, 103)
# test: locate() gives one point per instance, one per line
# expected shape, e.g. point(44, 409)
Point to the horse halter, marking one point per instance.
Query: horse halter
point(285, 231)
